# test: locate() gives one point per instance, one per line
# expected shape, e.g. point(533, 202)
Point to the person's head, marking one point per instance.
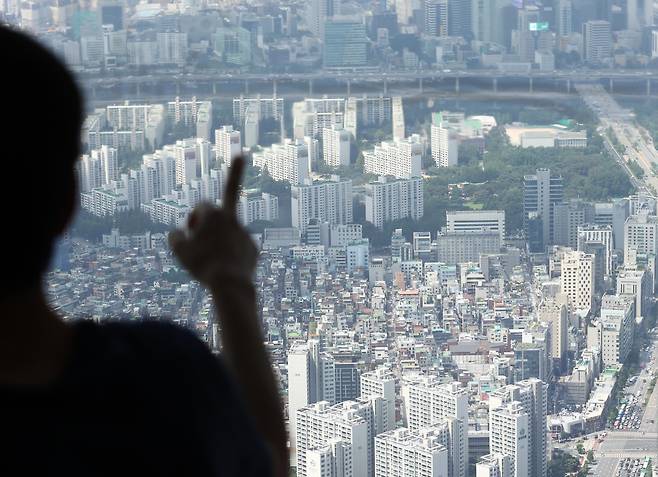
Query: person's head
point(42, 115)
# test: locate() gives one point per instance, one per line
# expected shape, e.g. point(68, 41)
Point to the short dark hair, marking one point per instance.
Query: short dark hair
point(41, 123)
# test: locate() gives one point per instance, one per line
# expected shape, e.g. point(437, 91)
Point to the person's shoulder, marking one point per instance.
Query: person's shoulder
point(156, 341)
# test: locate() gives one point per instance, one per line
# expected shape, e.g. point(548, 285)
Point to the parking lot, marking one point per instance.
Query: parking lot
point(632, 467)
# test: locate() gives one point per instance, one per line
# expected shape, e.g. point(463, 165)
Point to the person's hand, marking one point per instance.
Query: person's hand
point(215, 248)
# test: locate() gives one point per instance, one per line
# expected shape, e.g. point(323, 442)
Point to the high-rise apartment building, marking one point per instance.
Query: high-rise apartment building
point(541, 192)
point(336, 147)
point(508, 430)
point(509, 434)
point(389, 200)
point(228, 144)
point(429, 403)
point(320, 425)
point(327, 200)
point(401, 159)
point(381, 383)
point(285, 162)
point(494, 465)
point(410, 453)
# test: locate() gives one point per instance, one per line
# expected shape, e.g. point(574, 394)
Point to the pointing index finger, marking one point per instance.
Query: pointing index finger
point(233, 186)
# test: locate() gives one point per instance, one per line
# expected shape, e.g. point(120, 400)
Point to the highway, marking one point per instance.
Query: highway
point(636, 145)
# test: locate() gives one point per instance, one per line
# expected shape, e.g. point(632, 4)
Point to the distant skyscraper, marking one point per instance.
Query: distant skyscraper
point(541, 191)
point(345, 43)
point(597, 41)
point(436, 14)
point(318, 11)
point(639, 14)
point(459, 18)
point(564, 17)
point(482, 19)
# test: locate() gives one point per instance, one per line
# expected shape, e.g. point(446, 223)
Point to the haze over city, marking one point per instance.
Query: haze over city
point(453, 201)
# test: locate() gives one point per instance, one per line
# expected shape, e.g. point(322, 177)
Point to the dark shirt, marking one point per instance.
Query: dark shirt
point(141, 399)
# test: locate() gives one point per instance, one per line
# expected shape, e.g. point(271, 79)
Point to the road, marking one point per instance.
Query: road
point(626, 131)
point(634, 443)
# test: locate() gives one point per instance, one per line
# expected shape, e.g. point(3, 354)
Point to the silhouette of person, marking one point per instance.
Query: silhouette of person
point(141, 398)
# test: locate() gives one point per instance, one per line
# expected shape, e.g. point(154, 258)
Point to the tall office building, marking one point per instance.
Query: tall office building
point(506, 429)
point(577, 279)
point(436, 14)
point(389, 200)
point(641, 238)
point(285, 162)
point(639, 14)
point(588, 234)
point(317, 13)
point(327, 200)
point(541, 192)
point(172, 48)
point(476, 221)
point(233, 45)
point(410, 453)
point(482, 19)
point(228, 144)
point(612, 333)
point(345, 43)
point(459, 18)
point(567, 218)
point(527, 33)
point(336, 147)
point(401, 159)
point(597, 41)
point(427, 403)
point(555, 313)
point(564, 17)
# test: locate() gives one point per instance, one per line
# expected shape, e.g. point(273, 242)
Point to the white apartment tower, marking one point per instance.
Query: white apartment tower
point(494, 465)
point(388, 200)
point(531, 397)
point(336, 147)
point(381, 383)
point(228, 144)
point(427, 403)
point(328, 201)
point(320, 425)
point(285, 162)
point(444, 145)
point(311, 378)
point(401, 159)
point(402, 452)
point(577, 279)
point(509, 432)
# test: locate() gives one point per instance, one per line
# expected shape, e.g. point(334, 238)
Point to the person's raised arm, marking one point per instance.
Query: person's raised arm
point(219, 253)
